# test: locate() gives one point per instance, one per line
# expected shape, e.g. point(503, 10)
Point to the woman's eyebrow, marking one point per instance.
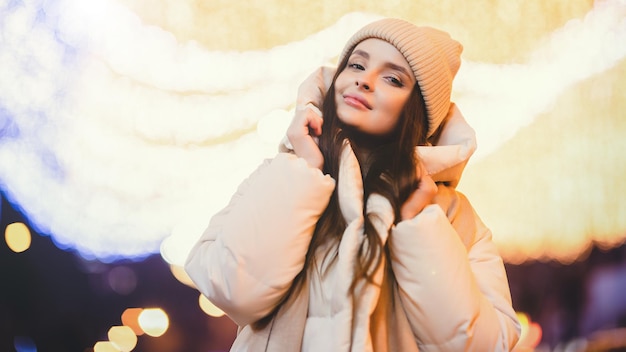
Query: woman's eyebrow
point(361, 53)
point(398, 68)
point(391, 65)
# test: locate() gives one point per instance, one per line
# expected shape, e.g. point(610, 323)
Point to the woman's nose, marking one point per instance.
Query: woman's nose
point(364, 84)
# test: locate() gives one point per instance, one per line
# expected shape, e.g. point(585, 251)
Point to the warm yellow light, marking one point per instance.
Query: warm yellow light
point(104, 346)
point(130, 318)
point(181, 275)
point(153, 321)
point(123, 338)
point(523, 319)
point(530, 336)
point(271, 127)
point(17, 236)
point(209, 308)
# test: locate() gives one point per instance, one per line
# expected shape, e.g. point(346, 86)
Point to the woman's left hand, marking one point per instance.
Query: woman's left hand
point(421, 197)
point(306, 125)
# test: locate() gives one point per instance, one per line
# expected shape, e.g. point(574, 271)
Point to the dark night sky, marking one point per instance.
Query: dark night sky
point(62, 303)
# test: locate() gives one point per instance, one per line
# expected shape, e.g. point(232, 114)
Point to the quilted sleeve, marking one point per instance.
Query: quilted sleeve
point(251, 251)
point(452, 281)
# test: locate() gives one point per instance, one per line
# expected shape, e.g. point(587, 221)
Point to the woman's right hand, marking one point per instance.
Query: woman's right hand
point(421, 197)
point(305, 125)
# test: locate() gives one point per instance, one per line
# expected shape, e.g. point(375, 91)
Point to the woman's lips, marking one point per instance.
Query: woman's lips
point(356, 102)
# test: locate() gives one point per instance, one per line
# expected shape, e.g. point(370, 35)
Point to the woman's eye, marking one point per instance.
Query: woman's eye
point(356, 66)
point(396, 82)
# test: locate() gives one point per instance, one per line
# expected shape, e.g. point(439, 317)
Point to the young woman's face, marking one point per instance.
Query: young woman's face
point(371, 91)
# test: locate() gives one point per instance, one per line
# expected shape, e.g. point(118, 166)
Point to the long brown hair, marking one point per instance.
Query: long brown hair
point(391, 173)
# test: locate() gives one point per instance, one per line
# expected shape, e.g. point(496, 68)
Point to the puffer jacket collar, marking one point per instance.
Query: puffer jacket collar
point(446, 160)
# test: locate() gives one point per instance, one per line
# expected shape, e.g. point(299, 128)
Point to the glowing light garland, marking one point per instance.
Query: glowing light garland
point(114, 135)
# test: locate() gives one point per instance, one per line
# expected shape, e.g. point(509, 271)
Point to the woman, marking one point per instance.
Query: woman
point(353, 238)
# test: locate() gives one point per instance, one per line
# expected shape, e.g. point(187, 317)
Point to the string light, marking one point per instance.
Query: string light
point(153, 321)
point(209, 308)
point(17, 236)
point(85, 100)
point(123, 338)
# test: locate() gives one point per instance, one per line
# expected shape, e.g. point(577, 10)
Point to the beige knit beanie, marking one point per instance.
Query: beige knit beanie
point(434, 57)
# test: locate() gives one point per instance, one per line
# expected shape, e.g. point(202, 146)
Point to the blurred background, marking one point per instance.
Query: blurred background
point(125, 124)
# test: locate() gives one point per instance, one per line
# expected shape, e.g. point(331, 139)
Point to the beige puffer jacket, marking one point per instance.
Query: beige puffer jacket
point(448, 292)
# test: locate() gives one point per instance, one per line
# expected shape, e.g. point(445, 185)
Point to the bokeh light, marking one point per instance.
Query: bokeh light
point(208, 307)
point(24, 344)
point(123, 338)
point(122, 280)
point(18, 237)
point(153, 321)
point(105, 346)
point(130, 318)
point(530, 336)
point(271, 127)
point(181, 275)
point(83, 101)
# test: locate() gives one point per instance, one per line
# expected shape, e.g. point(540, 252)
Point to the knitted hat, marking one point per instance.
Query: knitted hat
point(433, 56)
